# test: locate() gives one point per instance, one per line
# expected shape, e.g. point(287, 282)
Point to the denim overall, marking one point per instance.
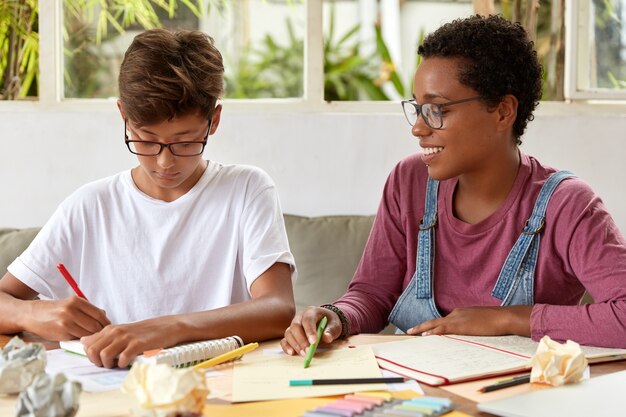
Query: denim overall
point(515, 284)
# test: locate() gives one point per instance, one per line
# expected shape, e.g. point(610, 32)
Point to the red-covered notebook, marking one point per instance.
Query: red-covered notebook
point(442, 360)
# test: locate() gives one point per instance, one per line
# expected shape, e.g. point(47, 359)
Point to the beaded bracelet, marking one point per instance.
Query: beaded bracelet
point(345, 324)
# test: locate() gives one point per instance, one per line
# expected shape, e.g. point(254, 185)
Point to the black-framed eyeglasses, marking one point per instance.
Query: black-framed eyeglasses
point(150, 148)
point(431, 112)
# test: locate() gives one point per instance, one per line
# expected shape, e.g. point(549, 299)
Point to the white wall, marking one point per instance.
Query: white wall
point(323, 163)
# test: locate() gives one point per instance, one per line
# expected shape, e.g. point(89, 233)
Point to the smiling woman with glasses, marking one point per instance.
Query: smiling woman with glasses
point(472, 235)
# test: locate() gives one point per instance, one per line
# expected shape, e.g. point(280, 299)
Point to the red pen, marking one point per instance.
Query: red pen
point(70, 281)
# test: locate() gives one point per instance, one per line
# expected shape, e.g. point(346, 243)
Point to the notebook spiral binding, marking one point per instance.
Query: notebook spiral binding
point(192, 353)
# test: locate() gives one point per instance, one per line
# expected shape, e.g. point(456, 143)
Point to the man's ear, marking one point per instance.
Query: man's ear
point(507, 112)
point(119, 106)
point(217, 114)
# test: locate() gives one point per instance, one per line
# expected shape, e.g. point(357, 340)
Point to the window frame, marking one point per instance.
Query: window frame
point(578, 21)
point(312, 101)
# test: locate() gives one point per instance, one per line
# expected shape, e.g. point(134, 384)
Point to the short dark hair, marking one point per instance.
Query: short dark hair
point(497, 58)
point(166, 74)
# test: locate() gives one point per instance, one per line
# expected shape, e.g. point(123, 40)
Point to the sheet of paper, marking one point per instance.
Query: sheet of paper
point(599, 396)
point(79, 368)
point(266, 377)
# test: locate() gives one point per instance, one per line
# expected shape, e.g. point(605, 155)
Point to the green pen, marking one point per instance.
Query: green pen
point(311, 349)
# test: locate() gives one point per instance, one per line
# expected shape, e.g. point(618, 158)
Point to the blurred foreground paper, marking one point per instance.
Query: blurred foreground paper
point(557, 364)
point(49, 396)
point(20, 363)
point(160, 390)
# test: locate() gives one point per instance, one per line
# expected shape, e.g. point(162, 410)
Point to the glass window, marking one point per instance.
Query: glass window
point(598, 52)
point(261, 42)
point(371, 46)
point(263, 46)
point(19, 49)
point(607, 58)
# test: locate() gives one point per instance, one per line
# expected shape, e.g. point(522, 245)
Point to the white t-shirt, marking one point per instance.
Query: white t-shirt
point(138, 257)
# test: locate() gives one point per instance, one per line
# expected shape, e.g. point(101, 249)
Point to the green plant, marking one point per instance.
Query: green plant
point(19, 48)
point(89, 22)
point(270, 70)
point(609, 64)
point(348, 74)
point(388, 68)
point(121, 14)
point(615, 83)
point(274, 70)
point(545, 23)
point(88, 71)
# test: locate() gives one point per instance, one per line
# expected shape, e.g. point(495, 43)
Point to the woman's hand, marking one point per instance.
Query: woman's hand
point(479, 321)
point(302, 331)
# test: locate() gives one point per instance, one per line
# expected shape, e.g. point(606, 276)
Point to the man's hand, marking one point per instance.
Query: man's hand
point(70, 318)
point(119, 344)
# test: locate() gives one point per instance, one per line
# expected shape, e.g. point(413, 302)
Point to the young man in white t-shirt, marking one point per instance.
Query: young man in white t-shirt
point(175, 250)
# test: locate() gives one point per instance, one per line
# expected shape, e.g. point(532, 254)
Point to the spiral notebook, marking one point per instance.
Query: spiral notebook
point(180, 356)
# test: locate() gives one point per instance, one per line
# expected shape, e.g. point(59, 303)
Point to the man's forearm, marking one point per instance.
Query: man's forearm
point(12, 313)
point(255, 320)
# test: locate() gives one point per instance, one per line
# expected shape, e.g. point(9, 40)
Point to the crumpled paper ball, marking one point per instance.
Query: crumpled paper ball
point(20, 363)
point(557, 364)
point(49, 396)
point(160, 389)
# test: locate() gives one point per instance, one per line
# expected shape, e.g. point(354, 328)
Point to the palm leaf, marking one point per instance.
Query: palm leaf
point(373, 91)
point(197, 12)
point(388, 63)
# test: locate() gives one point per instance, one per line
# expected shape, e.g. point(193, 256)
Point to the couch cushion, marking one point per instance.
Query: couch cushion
point(327, 250)
point(12, 244)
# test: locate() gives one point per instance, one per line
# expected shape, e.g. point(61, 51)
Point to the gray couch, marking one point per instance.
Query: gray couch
point(12, 243)
point(327, 250)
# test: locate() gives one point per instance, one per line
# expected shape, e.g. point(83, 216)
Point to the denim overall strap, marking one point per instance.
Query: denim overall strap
point(416, 304)
point(522, 259)
point(426, 242)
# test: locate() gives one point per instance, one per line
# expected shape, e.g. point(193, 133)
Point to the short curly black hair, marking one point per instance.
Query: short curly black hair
point(498, 58)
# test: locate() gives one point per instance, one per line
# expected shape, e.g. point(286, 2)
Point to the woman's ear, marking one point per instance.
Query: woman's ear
point(217, 114)
point(119, 107)
point(507, 112)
